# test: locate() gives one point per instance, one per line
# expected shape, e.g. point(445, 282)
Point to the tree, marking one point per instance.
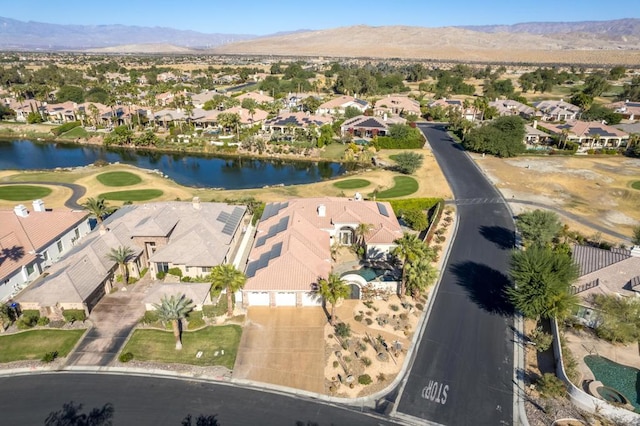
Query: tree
point(409, 249)
point(121, 135)
point(331, 290)
point(503, 137)
point(620, 318)
point(350, 112)
point(408, 162)
point(617, 72)
point(361, 232)
point(70, 93)
point(636, 236)
point(415, 218)
point(596, 84)
point(174, 309)
point(122, 255)
point(98, 208)
point(228, 120)
point(631, 90)
point(539, 227)
point(542, 280)
point(227, 277)
point(311, 104)
point(420, 275)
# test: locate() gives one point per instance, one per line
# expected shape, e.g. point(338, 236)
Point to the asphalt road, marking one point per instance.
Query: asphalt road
point(29, 400)
point(463, 370)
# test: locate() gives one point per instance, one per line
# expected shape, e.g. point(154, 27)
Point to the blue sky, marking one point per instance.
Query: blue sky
point(269, 16)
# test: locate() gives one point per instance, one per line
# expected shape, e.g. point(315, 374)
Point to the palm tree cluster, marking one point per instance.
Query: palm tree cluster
point(227, 277)
point(98, 208)
point(416, 259)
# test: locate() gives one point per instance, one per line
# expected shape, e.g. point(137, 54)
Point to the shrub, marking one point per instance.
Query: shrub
point(403, 316)
point(550, 386)
point(125, 357)
point(358, 318)
point(73, 315)
point(28, 319)
point(175, 271)
point(195, 320)
point(64, 128)
point(365, 379)
point(416, 219)
point(365, 361)
point(419, 306)
point(50, 356)
point(408, 162)
point(43, 321)
point(394, 308)
point(335, 364)
point(381, 377)
point(541, 339)
point(369, 321)
point(31, 313)
point(144, 272)
point(150, 317)
point(343, 330)
point(220, 308)
point(160, 275)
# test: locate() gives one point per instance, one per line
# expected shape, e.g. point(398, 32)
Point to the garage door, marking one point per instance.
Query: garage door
point(258, 298)
point(311, 298)
point(285, 299)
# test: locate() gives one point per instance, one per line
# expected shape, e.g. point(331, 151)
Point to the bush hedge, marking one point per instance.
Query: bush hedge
point(64, 128)
point(365, 379)
point(73, 315)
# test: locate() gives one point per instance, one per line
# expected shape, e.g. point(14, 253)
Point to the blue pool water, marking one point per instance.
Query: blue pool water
point(367, 273)
point(625, 380)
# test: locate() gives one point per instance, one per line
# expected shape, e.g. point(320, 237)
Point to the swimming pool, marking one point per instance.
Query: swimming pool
point(369, 274)
point(625, 380)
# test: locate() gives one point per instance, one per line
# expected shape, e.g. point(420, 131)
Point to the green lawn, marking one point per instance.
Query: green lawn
point(35, 343)
point(76, 132)
point(133, 195)
point(334, 151)
point(636, 185)
point(404, 185)
point(352, 184)
point(23, 192)
point(159, 346)
point(118, 179)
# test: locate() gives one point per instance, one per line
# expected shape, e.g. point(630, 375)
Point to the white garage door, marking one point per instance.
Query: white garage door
point(311, 298)
point(285, 299)
point(258, 298)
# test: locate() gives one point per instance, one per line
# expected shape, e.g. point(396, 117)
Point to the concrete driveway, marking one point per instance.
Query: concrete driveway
point(283, 346)
point(113, 318)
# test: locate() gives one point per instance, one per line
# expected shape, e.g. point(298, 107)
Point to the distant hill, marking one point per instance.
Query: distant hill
point(612, 29)
point(144, 48)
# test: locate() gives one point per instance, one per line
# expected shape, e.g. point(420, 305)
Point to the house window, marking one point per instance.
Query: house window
point(60, 246)
point(345, 236)
point(30, 269)
point(162, 267)
point(186, 269)
point(152, 247)
point(77, 232)
point(206, 269)
point(45, 255)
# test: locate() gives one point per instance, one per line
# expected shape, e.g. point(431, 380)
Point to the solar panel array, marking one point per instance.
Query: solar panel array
point(274, 230)
point(383, 209)
point(230, 221)
point(599, 131)
point(264, 260)
point(370, 122)
point(635, 282)
point(272, 209)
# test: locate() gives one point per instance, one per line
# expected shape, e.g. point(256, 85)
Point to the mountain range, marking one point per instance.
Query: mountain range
point(615, 41)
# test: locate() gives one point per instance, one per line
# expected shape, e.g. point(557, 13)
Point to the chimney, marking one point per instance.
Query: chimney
point(38, 206)
point(196, 203)
point(384, 117)
point(535, 124)
point(322, 210)
point(21, 211)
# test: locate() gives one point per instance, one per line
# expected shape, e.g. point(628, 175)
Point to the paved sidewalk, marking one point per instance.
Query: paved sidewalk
point(113, 319)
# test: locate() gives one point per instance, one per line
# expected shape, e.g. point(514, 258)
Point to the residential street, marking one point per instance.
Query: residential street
point(462, 374)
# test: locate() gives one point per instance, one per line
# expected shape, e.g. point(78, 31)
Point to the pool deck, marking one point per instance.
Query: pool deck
point(585, 343)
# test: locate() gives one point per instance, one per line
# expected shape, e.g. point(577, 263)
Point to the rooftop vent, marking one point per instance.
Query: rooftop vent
point(21, 211)
point(38, 206)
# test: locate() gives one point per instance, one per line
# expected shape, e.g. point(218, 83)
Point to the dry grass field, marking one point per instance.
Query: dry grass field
point(597, 189)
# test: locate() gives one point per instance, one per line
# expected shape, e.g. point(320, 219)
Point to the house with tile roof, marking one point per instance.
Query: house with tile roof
point(588, 134)
point(32, 241)
point(259, 97)
point(293, 240)
point(507, 107)
point(193, 237)
point(469, 113)
point(553, 110)
point(606, 272)
point(339, 104)
point(291, 122)
point(369, 127)
point(630, 110)
point(396, 105)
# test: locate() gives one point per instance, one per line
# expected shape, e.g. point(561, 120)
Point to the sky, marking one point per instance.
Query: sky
point(262, 17)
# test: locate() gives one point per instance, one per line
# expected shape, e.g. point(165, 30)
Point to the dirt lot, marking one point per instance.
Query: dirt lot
point(597, 189)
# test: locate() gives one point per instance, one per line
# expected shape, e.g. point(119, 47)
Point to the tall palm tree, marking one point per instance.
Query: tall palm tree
point(98, 208)
point(361, 232)
point(333, 289)
point(420, 275)
point(122, 255)
point(229, 278)
point(409, 250)
point(174, 309)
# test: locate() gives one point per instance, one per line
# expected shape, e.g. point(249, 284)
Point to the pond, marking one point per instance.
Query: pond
point(186, 169)
point(622, 378)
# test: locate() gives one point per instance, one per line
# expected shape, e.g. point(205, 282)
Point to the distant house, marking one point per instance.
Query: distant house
point(292, 246)
point(469, 113)
point(629, 110)
point(588, 134)
point(61, 113)
point(552, 110)
point(191, 237)
point(339, 104)
point(24, 108)
point(397, 105)
point(259, 97)
point(507, 107)
point(534, 138)
point(31, 241)
point(290, 122)
point(607, 272)
point(369, 127)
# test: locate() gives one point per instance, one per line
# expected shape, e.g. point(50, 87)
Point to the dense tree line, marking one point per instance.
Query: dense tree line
point(503, 137)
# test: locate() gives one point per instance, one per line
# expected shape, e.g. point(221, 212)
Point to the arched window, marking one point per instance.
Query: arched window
point(346, 236)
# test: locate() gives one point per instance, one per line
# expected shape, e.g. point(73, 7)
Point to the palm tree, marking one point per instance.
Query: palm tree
point(174, 309)
point(409, 250)
point(361, 232)
point(420, 275)
point(333, 289)
point(227, 277)
point(98, 208)
point(122, 255)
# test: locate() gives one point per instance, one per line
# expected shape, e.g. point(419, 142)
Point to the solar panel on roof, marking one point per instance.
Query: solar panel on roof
point(273, 209)
point(635, 282)
point(233, 220)
point(223, 217)
point(383, 209)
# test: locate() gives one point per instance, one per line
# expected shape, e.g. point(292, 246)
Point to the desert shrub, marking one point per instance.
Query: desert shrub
point(31, 313)
point(335, 364)
point(550, 386)
point(369, 321)
point(125, 357)
point(419, 306)
point(144, 272)
point(150, 317)
point(381, 377)
point(365, 361)
point(358, 318)
point(416, 219)
point(394, 308)
point(160, 275)
point(365, 379)
point(43, 321)
point(347, 359)
point(403, 316)
point(50, 356)
point(28, 319)
point(175, 271)
point(73, 315)
point(541, 339)
point(343, 330)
